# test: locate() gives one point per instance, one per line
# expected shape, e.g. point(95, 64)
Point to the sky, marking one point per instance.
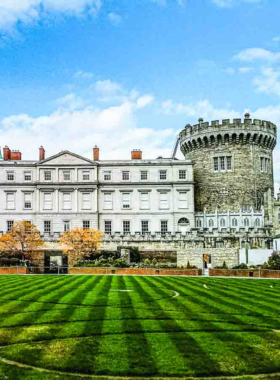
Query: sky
point(130, 74)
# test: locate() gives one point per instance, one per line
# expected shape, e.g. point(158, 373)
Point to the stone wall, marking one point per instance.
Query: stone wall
point(244, 185)
point(262, 273)
point(13, 270)
point(194, 257)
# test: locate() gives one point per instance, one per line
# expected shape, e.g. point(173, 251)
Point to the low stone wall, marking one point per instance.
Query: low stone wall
point(13, 270)
point(263, 273)
point(218, 256)
point(136, 271)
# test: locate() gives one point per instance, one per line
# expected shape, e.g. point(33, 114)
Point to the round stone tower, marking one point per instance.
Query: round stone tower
point(233, 163)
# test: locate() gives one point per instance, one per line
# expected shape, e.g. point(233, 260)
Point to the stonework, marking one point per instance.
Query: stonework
point(219, 256)
point(248, 145)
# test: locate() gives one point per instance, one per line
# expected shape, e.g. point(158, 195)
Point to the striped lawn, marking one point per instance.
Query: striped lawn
point(161, 327)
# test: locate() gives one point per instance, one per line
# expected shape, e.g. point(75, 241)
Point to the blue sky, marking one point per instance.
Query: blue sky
point(130, 74)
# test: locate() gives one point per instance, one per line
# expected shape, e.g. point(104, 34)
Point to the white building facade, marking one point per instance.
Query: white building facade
point(126, 196)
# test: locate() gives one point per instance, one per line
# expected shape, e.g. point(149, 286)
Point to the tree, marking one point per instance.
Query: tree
point(79, 243)
point(274, 261)
point(23, 240)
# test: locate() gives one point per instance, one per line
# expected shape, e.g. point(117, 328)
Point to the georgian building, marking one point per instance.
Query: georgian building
point(66, 190)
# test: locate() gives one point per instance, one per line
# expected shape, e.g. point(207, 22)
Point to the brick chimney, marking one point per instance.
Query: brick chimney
point(6, 153)
point(136, 154)
point(41, 153)
point(15, 155)
point(95, 153)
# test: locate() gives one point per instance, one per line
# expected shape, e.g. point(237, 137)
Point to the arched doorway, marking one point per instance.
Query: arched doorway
point(183, 225)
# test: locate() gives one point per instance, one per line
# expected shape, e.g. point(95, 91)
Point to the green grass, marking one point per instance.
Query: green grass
point(85, 325)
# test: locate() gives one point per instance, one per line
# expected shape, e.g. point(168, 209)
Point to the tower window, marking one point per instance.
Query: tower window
point(222, 164)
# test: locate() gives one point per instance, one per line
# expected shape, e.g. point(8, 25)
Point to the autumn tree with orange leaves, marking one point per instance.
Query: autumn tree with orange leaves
point(23, 240)
point(79, 243)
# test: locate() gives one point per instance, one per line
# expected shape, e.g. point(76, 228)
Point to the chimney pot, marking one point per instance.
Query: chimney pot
point(7, 153)
point(136, 154)
point(96, 153)
point(41, 153)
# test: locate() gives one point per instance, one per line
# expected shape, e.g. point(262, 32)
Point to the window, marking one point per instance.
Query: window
point(10, 224)
point(66, 176)
point(144, 175)
point(222, 164)
point(108, 227)
point(257, 222)
point(47, 201)
point(126, 202)
point(125, 176)
point(144, 226)
point(246, 208)
point(222, 223)
point(86, 201)
point(86, 176)
point(182, 174)
point(229, 163)
point(27, 176)
point(107, 175)
point(265, 165)
point(216, 164)
point(126, 226)
point(108, 201)
point(199, 223)
point(144, 201)
point(163, 201)
point(27, 200)
point(48, 175)
point(47, 227)
point(211, 223)
point(66, 225)
point(164, 226)
point(182, 199)
point(67, 201)
point(163, 175)
point(246, 222)
point(86, 224)
point(11, 201)
point(234, 222)
point(10, 176)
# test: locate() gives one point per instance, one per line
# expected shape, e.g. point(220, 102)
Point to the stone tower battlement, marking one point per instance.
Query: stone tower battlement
point(248, 131)
point(232, 163)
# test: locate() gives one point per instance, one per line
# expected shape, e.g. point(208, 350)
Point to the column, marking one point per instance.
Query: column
point(38, 199)
point(76, 199)
point(57, 200)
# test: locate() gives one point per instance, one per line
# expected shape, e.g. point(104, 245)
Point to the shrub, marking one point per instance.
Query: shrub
point(240, 266)
point(274, 261)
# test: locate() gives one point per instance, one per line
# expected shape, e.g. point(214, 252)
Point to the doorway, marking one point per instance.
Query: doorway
point(183, 225)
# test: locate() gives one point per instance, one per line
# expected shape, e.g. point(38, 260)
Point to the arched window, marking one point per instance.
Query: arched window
point(234, 222)
point(198, 223)
point(211, 223)
point(246, 222)
point(257, 222)
point(184, 221)
point(222, 223)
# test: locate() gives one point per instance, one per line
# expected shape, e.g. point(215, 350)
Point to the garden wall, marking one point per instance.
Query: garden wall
point(13, 270)
point(263, 273)
point(136, 271)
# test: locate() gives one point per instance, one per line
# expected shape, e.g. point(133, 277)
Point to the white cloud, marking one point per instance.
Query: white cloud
point(245, 70)
point(107, 87)
point(13, 12)
point(276, 39)
point(231, 3)
point(77, 127)
point(114, 18)
point(163, 3)
point(230, 71)
point(144, 101)
point(268, 82)
point(83, 75)
point(254, 54)
point(201, 108)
